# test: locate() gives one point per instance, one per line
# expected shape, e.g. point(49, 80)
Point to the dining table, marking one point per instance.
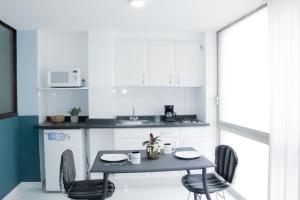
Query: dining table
point(165, 163)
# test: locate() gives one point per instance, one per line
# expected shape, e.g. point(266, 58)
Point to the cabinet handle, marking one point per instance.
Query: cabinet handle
point(143, 79)
point(178, 79)
point(170, 79)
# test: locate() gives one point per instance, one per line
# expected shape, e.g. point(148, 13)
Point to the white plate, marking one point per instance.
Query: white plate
point(187, 154)
point(114, 157)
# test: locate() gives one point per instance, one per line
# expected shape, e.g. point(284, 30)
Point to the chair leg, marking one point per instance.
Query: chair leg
point(197, 196)
point(189, 196)
point(222, 196)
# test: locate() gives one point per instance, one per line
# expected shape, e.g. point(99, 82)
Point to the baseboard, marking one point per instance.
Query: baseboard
point(12, 195)
point(235, 194)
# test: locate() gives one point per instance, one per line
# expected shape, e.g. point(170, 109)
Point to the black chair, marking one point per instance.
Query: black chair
point(226, 162)
point(85, 189)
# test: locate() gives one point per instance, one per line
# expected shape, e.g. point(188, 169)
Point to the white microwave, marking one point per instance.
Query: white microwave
point(64, 78)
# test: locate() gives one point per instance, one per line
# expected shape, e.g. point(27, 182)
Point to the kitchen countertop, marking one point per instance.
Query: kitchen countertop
point(112, 123)
point(68, 125)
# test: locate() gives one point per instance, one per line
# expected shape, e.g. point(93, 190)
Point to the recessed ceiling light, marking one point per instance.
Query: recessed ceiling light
point(137, 3)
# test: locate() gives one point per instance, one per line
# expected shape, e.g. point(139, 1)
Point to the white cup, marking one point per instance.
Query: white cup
point(168, 148)
point(134, 157)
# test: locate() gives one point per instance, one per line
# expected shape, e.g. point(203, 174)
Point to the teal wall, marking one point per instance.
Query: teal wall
point(28, 149)
point(19, 152)
point(9, 175)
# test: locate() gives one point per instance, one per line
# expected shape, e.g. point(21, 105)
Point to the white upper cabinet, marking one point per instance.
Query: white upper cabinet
point(157, 62)
point(160, 63)
point(130, 62)
point(188, 63)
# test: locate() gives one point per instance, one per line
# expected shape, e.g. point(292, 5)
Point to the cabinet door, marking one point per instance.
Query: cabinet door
point(197, 138)
point(167, 135)
point(130, 139)
point(130, 62)
point(188, 66)
point(97, 140)
point(160, 63)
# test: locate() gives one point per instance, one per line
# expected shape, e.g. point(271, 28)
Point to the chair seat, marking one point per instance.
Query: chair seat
point(194, 183)
point(90, 189)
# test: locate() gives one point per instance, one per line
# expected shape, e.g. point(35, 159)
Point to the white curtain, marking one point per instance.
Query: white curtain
point(285, 102)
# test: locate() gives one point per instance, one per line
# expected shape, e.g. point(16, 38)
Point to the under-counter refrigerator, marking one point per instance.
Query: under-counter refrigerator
point(55, 143)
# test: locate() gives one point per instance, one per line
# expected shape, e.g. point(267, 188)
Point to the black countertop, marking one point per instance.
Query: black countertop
point(113, 124)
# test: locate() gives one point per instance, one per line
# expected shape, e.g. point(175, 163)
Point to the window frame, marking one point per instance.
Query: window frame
point(14, 112)
point(243, 131)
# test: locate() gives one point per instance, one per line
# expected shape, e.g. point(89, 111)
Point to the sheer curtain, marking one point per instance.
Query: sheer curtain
point(285, 89)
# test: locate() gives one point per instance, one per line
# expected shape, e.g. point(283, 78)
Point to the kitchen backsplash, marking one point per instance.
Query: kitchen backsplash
point(151, 100)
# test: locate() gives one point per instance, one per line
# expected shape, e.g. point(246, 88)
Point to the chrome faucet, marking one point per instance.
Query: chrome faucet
point(133, 117)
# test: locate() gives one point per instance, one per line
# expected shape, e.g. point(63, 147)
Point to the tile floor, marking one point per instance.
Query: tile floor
point(171, 192)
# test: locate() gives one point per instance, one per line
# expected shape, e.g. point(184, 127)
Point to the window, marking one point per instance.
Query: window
point(8, 82)
point(244, 73)
point(244, 100)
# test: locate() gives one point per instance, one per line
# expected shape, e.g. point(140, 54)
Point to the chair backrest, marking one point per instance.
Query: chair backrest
point(67, 169)
point(226, 162)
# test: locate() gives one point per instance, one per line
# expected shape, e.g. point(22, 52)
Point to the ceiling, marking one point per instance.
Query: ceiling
point(157, 15)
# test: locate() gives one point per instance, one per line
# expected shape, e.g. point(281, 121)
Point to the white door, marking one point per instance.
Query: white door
point(188, 66)
point(130, 62)
point(161, 63)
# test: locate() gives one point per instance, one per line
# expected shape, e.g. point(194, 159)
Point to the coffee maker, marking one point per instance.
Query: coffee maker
point(170, 115)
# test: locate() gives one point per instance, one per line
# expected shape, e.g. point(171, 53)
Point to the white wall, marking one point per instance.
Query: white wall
point(60, 51)
point(27, 72)
point(100, 59)
point(210, 92)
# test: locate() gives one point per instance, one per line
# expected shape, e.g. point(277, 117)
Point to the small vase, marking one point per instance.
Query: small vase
point(153, 151)
point(74, 119)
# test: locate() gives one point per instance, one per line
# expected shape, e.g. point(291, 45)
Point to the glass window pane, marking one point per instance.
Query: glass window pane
point(251, 179)
point(6, 70)
point(244, 73)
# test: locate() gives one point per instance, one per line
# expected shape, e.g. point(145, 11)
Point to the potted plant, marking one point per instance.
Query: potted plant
point(153, 148)
point(74, 112)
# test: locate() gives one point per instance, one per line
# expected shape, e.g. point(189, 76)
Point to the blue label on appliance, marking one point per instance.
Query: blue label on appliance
point(56, 136)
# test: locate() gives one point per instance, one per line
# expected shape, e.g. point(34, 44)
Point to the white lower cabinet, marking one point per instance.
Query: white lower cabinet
point(98, 139)
point(131, 139)
point(198, 138)
point(167, 135)
point(195, 137)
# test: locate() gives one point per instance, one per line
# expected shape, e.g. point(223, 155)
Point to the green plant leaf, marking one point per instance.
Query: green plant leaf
point(145, 142)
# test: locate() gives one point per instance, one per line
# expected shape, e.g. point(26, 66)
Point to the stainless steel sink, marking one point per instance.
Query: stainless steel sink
point(132, 122)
